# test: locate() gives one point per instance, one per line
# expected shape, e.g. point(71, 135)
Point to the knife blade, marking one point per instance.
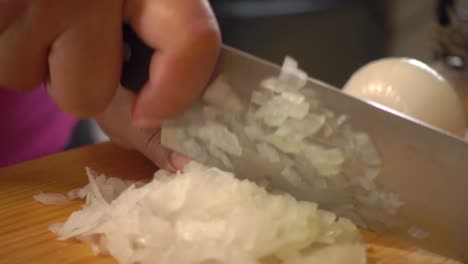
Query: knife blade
point(417, 184)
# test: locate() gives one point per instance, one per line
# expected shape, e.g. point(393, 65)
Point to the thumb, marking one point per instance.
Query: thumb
point(116, 121)
point(187, 43)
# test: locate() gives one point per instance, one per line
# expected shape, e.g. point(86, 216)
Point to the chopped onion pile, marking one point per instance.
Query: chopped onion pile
point(205, 215)
point(307, 149)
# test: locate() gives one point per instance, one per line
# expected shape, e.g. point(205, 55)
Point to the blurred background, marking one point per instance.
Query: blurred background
point(330, 38)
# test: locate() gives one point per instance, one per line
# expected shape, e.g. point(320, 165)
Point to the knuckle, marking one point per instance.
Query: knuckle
point(153, 140)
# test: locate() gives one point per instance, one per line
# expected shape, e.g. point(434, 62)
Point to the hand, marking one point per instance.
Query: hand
point(76, 46)
point(116, 121)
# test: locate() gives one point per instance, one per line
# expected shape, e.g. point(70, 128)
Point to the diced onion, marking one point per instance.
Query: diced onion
point(51, 198)
point(268, 152)
point(286, 119)
point(220, 136)
point(328, 162)
point(206, 215)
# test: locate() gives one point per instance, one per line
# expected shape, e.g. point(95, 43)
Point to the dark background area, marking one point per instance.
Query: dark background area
point(329, 38)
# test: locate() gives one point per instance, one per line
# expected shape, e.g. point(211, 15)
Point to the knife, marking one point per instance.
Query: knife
point(405, 179)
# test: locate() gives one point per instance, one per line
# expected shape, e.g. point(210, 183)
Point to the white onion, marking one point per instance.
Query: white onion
point(292, 176)
point(268, 152)
point(205, 215)
point(51, 198)
point(328, 162)
point(77, 193)
point(55, 227)
point(218, 154)
point(290, 79)
point(220, 94)
point(279, 108)
point(287, 144)
point(291, 76)
point(218, 135)
point(259, 97)
point(193, 149)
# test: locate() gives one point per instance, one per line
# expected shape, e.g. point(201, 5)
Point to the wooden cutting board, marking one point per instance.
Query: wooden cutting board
point(24, 237)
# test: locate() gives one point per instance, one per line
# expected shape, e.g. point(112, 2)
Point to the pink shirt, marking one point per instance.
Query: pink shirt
point(32, 126)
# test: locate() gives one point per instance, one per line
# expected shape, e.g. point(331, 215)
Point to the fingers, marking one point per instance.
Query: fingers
point(83, 42)
point(85, 60)
point(76, 45)
point(186, 37)
point(116, 121)
point(23, 47)
point(116, 118)
point(9, 10)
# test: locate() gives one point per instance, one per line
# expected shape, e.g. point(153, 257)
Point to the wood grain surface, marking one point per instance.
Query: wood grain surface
point(24, 237)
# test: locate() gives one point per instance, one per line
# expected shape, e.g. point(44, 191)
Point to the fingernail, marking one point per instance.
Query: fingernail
point(147, 122)
point(178, 160)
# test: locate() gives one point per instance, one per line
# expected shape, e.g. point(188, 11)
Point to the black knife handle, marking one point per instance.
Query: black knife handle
point(137, 58)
